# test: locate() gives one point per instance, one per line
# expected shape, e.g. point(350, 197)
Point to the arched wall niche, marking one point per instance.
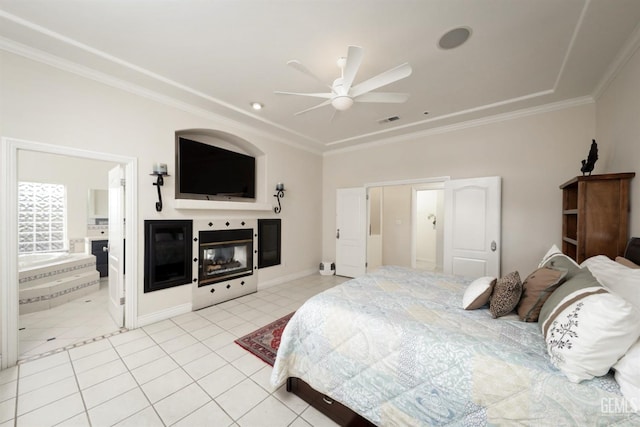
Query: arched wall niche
point(232, 142)
point(221, 139)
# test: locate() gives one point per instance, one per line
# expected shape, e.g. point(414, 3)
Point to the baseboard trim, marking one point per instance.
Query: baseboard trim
point(158, 316)
point(282, 279)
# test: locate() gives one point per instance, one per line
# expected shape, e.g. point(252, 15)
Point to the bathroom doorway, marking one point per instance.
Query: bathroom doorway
point(405, 224)
point(11, 298)
point(428, 231)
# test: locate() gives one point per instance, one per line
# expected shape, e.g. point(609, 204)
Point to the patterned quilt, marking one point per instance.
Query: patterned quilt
point(397, 348)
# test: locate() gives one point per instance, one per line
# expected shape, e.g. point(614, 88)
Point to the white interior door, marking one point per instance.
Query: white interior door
point(116, 244)
point(472, 227)
point(351, 232)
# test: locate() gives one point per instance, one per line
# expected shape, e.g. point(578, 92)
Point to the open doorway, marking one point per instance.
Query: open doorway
point(63, 234)
point(406, 223)
point(9, 271)
point(428, 231)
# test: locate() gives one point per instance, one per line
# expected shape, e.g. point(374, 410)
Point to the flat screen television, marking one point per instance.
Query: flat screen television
point(207, 172)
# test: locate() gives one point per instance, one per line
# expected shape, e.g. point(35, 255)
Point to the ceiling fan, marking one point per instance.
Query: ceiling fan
point(343, 94)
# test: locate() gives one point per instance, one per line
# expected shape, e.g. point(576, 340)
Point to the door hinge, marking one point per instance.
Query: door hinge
point(121, 300)
point(123, 182)
point(366, 264)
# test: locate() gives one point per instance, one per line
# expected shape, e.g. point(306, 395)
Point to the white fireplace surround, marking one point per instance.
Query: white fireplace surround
point(215, 293)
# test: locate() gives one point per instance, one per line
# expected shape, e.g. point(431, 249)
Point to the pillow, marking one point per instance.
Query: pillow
point(628, 375)
point(506, 295)
point(606, 270)
point(586, 328)
point(626, 263)
point(478, 292)
point(536, 289)
point(554, 250)
point(617, 278)
point(562, 261)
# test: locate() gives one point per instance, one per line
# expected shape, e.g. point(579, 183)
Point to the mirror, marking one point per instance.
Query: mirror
point(98, 204)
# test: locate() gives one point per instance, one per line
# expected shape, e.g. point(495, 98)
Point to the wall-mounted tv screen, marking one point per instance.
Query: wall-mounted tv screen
point(207, 172)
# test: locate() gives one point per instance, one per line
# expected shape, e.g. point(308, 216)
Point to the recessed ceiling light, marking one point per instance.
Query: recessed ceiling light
point(454, 38)
point(257, 106)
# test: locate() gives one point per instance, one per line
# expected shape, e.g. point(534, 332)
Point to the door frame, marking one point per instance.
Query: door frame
point(9, 306)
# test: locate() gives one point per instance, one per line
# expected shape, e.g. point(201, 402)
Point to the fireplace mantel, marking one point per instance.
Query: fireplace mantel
point(221, 205)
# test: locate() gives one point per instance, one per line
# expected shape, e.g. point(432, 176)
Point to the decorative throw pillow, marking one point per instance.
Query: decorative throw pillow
point(627, 263)
point(506, 294)
point(628, 375)
point(536, 289)
point(586, 328)
point(617, 278)
point(554, 250)
point(564, 262)
point(478, 292)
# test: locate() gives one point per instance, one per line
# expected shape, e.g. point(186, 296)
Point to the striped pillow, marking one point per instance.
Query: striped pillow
point(587, 328)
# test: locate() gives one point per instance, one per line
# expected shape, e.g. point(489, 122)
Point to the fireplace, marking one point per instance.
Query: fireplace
point(224, 255)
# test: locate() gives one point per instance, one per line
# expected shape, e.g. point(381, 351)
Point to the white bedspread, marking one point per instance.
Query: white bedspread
point(396, 347)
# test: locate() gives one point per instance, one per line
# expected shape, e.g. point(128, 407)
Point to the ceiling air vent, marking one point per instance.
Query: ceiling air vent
point(388, 119)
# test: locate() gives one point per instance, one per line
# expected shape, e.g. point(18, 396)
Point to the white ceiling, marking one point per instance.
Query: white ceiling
point(220, 55)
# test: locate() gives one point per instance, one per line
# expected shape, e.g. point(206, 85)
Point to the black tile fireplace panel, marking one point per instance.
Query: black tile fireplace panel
point(167, 254)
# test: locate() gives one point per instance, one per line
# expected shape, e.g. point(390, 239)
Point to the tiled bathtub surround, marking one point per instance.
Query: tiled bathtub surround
point(45, 286)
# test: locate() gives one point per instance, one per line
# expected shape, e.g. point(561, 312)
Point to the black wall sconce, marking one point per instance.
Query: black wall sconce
point(279, 195)
point(160, 171)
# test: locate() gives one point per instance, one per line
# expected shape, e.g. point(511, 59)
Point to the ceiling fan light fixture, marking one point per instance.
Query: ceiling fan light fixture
point(342, 103)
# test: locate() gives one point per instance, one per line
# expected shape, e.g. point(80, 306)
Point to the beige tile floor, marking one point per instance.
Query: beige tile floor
point(184, 371)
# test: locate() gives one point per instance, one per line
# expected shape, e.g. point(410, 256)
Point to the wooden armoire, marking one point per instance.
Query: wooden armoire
point(595, 215)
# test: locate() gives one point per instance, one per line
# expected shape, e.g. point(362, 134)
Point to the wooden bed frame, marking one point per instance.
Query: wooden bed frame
point(327, 405)
point(343, 415)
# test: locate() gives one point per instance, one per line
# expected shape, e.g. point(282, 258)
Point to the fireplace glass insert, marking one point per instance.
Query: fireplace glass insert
point(225, 254)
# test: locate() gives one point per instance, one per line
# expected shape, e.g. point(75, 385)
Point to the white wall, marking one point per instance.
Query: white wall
point(77, 175)
point(44, 104)
point(618, 127)
point(533, 154)
point(396, 217)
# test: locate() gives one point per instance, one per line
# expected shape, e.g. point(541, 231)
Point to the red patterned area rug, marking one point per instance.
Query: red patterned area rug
point(265, 341)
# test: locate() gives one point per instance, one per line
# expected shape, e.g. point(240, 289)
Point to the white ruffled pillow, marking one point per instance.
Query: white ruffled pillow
point(628, 375)
point(478, 293)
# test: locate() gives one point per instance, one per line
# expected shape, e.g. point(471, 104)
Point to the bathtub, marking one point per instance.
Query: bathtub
point(46, 280)
point(28, 261)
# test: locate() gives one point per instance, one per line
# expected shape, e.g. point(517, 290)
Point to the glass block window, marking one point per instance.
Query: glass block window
point(41, 217)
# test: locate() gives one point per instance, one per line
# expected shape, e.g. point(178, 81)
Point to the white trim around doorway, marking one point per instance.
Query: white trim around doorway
point(9, 238)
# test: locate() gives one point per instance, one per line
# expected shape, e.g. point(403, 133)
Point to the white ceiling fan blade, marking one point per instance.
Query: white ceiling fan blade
point(391, 97)
point(382, 79)
point(354, 59)
point(315, 95)
point(322, 104)
point(294, 63)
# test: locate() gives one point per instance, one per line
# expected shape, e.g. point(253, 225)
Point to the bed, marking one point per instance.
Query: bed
point(396, 348)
